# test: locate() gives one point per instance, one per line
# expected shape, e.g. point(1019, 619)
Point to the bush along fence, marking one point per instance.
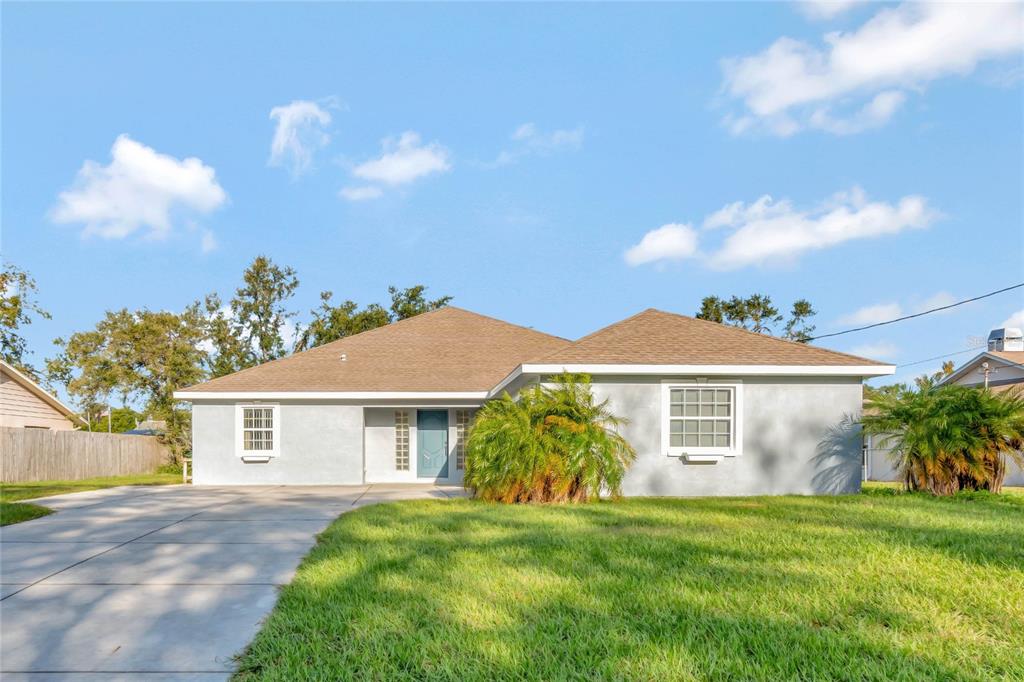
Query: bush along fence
point(41, 455)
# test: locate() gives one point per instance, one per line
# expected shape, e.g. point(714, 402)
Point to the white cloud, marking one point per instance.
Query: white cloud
point(528, 140)
point(403, 160)
point(873, 314)
point(363, 193)
point(793, 85)
point(139, 188)
point(826, 9)
point(738, 212)
point(874, 114)
point(882, 312)
point(299, 133)
point(1014, 320)
point(881, 350)
point(208, 242)
point(937, 300)
point(667, 243)
point(766, 232)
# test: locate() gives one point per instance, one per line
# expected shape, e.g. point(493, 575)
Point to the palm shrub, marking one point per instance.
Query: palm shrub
point(951, 438)
point(553, 443)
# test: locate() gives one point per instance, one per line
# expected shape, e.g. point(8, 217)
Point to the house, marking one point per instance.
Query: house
point(712, 409)
point(1000, 367)
point(25, 404)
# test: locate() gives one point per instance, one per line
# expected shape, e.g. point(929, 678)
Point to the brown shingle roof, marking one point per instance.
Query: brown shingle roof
point(1014, 356)
point(655, 337)
point(449, 350)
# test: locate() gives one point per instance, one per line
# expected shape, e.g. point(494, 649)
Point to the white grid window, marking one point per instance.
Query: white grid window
point(258, 429)
point(700, 417)
point(401, 440)
point(462, 418)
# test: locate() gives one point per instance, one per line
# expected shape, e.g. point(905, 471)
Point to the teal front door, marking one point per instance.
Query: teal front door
point(432, 444)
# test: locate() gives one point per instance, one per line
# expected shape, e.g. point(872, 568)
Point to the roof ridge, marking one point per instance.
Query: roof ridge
point(718, 326)
point(598, 331)
point(801, 344)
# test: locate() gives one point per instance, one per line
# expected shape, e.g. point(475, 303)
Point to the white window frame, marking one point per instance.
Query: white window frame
point(275, 428)
point(736, 446)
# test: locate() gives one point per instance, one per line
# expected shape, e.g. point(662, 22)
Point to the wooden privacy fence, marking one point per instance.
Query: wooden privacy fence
point(41, 455)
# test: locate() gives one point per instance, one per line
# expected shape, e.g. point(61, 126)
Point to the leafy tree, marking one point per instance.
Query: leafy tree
point(552, 444)
point(406, 303)
point(758, 314)
point(927, 382)
point(224, 337)
point(798, 328)
point(949, 438)
point(138, 356)
point(333, 322)
point(121, 418)
point(247, 331)
point(17, 306)
point(141, 356)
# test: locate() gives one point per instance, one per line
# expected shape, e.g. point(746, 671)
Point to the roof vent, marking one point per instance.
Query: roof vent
point(1007, 338)
point(344, 357)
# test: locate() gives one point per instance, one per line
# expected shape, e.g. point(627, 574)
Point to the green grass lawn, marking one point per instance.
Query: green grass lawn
point(12, 493)
point(877, 586)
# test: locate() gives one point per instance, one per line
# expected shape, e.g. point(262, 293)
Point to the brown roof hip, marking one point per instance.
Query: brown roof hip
point(446, 350)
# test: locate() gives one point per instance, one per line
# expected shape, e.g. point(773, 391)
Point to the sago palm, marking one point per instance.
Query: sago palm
point(951, 438)
point(551, 444)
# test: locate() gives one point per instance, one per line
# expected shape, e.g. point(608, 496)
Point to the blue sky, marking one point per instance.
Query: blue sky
point(557, 166)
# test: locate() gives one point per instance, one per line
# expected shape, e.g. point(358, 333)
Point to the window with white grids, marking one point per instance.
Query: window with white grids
point(701, 418)
point(258, 430)
point(462, 418)
point(401, 440)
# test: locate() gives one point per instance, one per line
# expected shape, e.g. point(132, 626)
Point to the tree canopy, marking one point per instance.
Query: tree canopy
point(758, 314)
point(18, 306)
point(332, 322)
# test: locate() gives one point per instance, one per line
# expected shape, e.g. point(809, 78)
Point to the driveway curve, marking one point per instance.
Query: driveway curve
point(161, 582)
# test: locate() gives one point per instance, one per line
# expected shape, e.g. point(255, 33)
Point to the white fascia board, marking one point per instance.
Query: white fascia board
point(328, 395)
point(718, 370)
point(960, 371)
point(970, 364)
point(513, 375)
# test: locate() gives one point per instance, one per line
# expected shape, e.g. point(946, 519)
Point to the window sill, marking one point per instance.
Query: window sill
point(702, 459)
point(696, 455)
point(256, 459)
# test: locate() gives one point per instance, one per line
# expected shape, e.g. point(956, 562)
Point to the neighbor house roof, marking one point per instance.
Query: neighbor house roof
point(655, 337)
point(449, 350)
point(1003, 358)
point(35, 389)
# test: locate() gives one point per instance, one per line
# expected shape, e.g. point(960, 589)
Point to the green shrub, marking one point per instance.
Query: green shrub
point(552, 444)
point(949, 439)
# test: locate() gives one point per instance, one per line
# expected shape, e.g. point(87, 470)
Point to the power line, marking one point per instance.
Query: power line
point(939, 357)
point(923, 312)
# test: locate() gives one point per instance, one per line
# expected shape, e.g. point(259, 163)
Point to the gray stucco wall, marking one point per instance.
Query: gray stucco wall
point(799, 437)
point(320, 444)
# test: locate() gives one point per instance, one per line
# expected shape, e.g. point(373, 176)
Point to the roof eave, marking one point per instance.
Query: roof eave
point(536, 369)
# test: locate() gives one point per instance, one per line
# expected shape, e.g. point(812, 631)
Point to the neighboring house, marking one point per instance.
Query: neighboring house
point(711, 409)
point(25, 404)
point(148, 427)
point(1001, 365)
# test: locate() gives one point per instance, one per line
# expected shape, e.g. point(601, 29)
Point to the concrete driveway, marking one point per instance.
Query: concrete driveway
point(160, 582)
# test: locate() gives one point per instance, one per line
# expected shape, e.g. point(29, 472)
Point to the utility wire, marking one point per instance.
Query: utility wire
point(923, 312)
point(939, 357)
